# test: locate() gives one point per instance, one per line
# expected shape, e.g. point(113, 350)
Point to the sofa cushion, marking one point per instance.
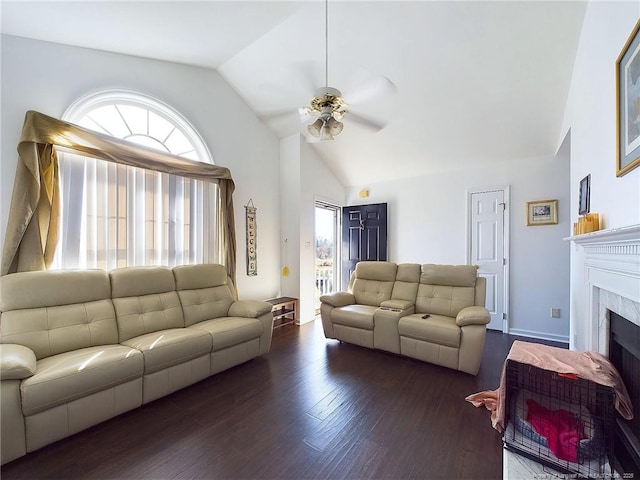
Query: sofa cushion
point(229, 331)
point(444, 300)
point(146, 314)
point(373, 282)
point(204, 291)
point(170, 347)
point(358, 316)
point(381, 271)
point(54, 312)
point(145, 301)
point(53, 330)
point(205, 304)
point(371, 292)
point(450, 275)
point(408, 272)
point(434, 329)
point(50, 288)
point(141, 281)
point(194, 277)
point(59, 379)
point(406, 285)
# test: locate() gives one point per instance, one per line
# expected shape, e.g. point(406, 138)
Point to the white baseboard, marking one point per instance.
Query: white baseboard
point(539, 335)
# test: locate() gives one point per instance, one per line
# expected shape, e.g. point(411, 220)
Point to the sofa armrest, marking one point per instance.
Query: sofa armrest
point(16, 362)
point(338, 299)
point(396, 304)
point(474, 315)
point(249, 308)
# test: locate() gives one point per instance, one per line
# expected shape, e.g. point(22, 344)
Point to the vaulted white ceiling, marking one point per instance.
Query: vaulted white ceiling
point(477, 82)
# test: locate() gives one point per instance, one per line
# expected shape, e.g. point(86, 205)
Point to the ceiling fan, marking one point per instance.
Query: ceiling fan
point(328, 107)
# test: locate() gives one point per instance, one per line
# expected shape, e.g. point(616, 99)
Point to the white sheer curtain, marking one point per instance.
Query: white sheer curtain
point(114, 216)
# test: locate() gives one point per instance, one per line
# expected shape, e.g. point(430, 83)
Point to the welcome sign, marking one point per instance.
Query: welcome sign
point(252, 240)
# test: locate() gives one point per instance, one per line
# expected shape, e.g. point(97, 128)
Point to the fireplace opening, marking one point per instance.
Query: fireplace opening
point(624, 353)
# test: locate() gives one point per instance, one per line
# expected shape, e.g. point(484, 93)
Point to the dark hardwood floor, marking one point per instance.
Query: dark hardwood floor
point(311, 408)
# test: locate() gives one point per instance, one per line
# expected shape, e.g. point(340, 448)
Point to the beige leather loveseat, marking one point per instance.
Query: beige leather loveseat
point(80, 347)
point(430, 312)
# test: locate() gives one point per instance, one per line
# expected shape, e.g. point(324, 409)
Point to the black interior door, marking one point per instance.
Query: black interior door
point(364, 236)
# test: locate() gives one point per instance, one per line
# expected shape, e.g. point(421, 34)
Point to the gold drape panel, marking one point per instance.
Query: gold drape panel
point(32, 229)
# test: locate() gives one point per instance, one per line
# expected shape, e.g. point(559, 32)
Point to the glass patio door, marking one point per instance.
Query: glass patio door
point(327, 262)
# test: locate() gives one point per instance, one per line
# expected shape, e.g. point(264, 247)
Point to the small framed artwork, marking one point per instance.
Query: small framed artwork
point(542, 212)
point(628, 105)
point(585, 194)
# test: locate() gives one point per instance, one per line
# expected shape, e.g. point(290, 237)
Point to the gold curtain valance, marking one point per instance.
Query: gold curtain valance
point(33, 226)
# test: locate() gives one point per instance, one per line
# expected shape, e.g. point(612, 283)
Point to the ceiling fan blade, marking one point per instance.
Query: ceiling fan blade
point(306, 115)
point(371, 89)
point(277, 115)
point(369, 123)
point(302, 114)
point(309, 74)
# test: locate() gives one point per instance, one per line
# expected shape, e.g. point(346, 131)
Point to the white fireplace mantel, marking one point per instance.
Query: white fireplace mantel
point(621, 234)
point(610, 261)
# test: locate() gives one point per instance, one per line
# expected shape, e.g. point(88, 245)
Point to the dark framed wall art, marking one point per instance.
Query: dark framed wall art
point(628, 104)
point(584, 198)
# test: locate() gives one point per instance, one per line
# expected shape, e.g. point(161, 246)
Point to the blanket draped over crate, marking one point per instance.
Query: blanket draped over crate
point(591, 366)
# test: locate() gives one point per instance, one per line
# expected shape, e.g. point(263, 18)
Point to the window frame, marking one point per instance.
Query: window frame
point(85, 104)
point(80, 109)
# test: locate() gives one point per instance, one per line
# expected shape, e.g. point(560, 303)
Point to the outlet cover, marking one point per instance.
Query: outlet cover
point(555, 313)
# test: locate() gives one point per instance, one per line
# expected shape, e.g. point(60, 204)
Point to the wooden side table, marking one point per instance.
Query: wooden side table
point(285, 310)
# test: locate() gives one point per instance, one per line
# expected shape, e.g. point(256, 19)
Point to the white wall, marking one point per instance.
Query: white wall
point(590, 118)
point(290, 214)
point(317, 183)
point(48, 77)
point(428, 224)
point(304, 179)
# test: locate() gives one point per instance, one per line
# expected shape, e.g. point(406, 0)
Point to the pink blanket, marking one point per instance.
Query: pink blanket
point(587, 365)
point(559, 427)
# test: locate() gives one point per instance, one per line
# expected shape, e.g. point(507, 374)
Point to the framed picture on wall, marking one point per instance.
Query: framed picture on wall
point(628, 105)
point(585, 194)
point(542, 212)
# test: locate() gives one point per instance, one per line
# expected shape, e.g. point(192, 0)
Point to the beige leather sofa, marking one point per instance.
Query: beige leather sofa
point(80, 347)
point(433, 313)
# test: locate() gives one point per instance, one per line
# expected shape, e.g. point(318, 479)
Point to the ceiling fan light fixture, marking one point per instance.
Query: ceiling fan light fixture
point(325, 133)
point(334, 126)
point(315, 129)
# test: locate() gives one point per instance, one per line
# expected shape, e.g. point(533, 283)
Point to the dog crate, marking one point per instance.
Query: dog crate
point(561, 421)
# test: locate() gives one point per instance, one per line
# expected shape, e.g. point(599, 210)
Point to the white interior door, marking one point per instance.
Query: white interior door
point(487, 247)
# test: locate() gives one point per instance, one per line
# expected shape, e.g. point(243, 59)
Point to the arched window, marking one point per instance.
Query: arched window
point(114, 215)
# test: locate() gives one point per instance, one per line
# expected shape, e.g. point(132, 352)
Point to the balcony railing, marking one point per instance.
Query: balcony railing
point(324, 282)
